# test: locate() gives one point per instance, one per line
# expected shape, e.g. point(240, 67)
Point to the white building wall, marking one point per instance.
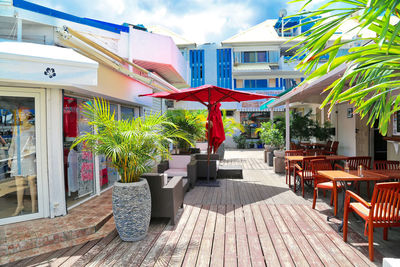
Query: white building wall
point(345, 130)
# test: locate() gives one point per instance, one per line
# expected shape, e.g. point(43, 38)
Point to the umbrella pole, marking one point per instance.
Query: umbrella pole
point(208, 139)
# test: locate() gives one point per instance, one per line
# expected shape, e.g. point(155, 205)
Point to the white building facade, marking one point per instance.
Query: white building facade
point(52, 63)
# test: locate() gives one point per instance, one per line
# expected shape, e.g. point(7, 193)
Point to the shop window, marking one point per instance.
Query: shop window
point(78, 162)
point(109, 175)
point(18, 165)
point(127, 113)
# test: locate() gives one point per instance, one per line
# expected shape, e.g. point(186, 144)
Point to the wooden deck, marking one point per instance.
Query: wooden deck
point(256, 221)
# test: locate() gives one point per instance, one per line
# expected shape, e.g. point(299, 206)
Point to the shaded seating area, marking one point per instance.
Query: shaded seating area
point(166, 195)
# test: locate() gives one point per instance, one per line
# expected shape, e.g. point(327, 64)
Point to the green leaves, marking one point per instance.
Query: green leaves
point(132, 146)
point(371, 79)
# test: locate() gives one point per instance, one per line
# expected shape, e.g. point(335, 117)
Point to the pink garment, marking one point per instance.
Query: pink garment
point(87, 171)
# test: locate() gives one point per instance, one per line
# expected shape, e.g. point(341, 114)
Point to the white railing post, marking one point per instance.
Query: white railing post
point(287, 121)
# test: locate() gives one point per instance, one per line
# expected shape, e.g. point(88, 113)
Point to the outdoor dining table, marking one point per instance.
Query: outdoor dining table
point(295, 159)
point(347, 180)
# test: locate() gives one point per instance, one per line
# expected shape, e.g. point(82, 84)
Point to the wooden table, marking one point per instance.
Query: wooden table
point(392, 174)
point(330, 157)
point(313, 145)
point(347, 179)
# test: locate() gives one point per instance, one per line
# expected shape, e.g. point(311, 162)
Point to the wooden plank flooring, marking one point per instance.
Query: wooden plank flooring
point(256, 221)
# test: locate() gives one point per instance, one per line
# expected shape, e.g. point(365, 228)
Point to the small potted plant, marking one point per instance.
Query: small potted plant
point(251, 144)
point(265, 135)
point(240, 140)
point(259, 144)
point(279, 153)
point(132, 147)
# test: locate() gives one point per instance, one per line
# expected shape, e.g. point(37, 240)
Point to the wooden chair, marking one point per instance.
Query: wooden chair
point(305, 172)
point(294, 146)
point(324, 183)
point(328, 145)
point(288, 166)
point(386, 165)
point(313, 152)
point(354, 162)
point(382, 211)
point(334, 148)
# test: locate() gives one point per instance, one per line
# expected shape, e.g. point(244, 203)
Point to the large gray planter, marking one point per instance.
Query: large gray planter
point(131, 204)
point(279, 161)
point(268, 154)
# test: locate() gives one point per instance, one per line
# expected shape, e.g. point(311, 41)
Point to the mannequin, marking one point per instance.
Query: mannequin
point(22, 159)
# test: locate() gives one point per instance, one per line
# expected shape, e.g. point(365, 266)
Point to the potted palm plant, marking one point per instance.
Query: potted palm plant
point(132, 147)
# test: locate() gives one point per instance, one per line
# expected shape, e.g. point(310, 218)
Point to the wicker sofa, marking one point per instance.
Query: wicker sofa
point(166, 195)
point(198, 167)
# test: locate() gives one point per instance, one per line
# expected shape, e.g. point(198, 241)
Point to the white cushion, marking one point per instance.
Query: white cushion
point(202, 146)
point(179, 161)
point(176, 172)
point(390, 262)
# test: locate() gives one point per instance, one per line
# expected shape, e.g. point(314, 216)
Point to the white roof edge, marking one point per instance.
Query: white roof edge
point(305, 86)
point(44, 53)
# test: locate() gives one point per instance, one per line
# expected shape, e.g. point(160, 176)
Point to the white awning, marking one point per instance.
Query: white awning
point(311, 92)
point(45, 64)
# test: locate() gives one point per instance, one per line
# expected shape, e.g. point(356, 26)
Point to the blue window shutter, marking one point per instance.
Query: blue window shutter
point(224, 68)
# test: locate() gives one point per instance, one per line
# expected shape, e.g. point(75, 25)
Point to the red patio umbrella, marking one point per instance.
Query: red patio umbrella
point(210, 96)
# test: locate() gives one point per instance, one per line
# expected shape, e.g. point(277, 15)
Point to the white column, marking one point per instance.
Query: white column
point(19, 30)
point(272, 114)
point(287, 120)
point(323, 115)
point(55, 152)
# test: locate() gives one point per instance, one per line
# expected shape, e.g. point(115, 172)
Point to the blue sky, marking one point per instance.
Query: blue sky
point(197, 20)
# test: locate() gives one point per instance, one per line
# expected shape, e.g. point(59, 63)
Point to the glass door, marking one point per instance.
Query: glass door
point(20, 150)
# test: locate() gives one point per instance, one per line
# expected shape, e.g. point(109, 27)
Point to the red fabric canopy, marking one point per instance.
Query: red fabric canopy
point(217, 133)
point(209, 94)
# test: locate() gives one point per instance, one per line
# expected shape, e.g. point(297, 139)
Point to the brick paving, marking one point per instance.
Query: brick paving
point(24, 239)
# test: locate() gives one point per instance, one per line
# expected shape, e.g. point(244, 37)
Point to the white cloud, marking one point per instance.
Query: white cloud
point(196, 24)
point(197, 20)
